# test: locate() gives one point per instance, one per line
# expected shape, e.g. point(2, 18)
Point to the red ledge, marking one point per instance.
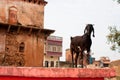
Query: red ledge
point(56, 72)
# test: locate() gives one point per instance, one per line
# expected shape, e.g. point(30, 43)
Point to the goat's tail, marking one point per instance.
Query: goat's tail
point(71, 38)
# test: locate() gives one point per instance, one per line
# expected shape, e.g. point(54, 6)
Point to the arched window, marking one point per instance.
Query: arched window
point(21, 47)
point(12, 18)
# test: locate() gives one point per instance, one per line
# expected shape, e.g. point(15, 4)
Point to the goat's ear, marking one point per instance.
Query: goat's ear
point(71, 38)
point(93, 31)
point(85, 29)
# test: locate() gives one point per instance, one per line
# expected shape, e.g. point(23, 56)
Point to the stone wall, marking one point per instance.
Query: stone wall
point(22, 32)
point(2, 45)
point(27, 14)
point(21, 49)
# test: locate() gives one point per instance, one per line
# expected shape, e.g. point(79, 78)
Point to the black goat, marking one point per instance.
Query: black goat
point(81, 43)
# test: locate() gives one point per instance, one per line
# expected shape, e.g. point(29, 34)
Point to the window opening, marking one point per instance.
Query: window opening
point(52, 63)
point(46, 63)
point(21, 47)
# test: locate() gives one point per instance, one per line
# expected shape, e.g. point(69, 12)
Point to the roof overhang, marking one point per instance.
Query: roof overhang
point(30, 29)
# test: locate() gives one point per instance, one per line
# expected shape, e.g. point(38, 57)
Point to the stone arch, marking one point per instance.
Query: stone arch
point(12, 15)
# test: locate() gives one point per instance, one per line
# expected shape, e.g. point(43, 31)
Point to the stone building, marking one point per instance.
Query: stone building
point(53, 51)
point(68, 56)
point(101, 63)
point(116, 65)
point(22, 33)
point(105, 61)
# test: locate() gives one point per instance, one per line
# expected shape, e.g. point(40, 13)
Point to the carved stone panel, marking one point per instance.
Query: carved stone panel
point(12, 55)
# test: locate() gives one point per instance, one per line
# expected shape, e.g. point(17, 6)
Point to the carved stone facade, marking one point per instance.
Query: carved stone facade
point(22, 46)
point(13, 56)
point(22, 33)
point(28, 12)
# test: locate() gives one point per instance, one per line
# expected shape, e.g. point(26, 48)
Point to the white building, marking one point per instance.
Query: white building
point(53, 51)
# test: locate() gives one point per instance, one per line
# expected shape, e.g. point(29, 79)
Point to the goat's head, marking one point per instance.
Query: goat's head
point(88, 29)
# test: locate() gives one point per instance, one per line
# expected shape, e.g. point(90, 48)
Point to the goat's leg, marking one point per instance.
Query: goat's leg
point(72, 60)
point(76, 58)
point(82, 59)
point(88, 56)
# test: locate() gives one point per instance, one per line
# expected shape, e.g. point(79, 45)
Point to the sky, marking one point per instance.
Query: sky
point(69, 18)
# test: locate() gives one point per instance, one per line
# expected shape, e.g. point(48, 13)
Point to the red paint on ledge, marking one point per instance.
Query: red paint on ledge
point(37, 73)
point(37, 78)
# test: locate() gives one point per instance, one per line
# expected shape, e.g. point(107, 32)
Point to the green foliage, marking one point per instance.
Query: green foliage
point(114, 38)
point(118, 1)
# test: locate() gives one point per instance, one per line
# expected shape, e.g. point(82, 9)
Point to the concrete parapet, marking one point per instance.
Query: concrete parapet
point(39, 72)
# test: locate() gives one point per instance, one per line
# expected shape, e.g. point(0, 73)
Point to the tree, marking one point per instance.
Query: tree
point(114, 38)
point(118, 1)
